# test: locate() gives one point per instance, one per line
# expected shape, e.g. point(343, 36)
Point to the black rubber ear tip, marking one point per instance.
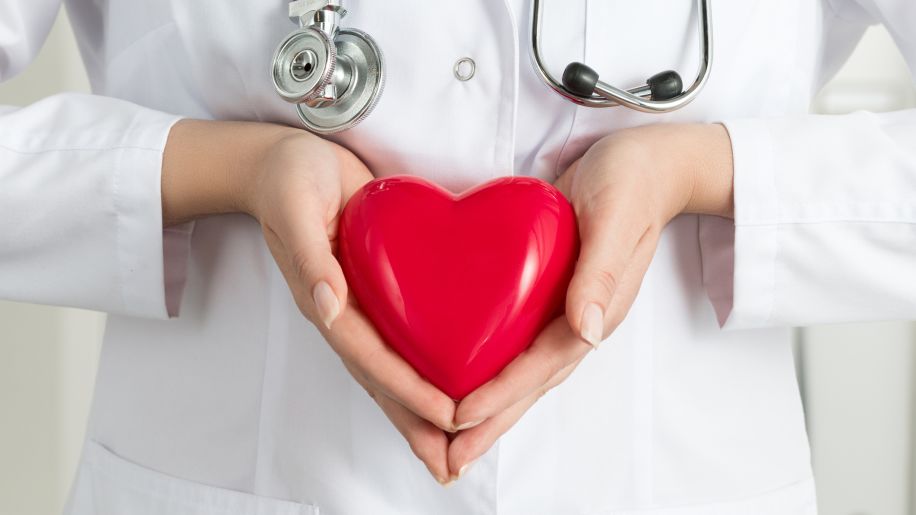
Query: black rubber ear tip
point(665, 85)
point(580, 79)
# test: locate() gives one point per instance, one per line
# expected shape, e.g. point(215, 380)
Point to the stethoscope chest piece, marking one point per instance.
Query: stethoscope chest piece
point(304, 65)
point(335, 76)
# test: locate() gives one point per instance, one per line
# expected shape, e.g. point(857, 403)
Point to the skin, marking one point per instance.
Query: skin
point(625, 190)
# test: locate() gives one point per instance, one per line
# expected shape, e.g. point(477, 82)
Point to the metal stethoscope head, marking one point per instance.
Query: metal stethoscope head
point(334, 76)
point(663, 92)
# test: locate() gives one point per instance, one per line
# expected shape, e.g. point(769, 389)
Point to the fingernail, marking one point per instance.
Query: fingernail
point(444, 481)
point(465, 468)
point(592, 324)
point(468, 425)
point(326, 302)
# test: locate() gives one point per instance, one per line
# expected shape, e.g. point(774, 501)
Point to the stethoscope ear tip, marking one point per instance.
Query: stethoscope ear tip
point(662, 93)
point(665, 85)
point(580, 79)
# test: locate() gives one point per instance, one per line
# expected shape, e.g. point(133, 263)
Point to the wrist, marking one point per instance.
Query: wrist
point(694, 163)
point(710, 163)
point(210, 167)
point(248, 175)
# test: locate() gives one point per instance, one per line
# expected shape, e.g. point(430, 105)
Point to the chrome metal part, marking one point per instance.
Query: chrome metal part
point(358, 83)
point(464, 69)
point(303, 65)
point(638, 98)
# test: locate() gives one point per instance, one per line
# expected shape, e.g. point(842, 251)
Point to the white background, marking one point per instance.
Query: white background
point(858, 380)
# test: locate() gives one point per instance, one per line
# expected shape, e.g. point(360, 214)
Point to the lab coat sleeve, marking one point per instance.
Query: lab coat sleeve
point(825, 211)
point(80, 200)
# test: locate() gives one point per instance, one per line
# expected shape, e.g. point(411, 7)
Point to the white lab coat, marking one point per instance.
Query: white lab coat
point(235, 405)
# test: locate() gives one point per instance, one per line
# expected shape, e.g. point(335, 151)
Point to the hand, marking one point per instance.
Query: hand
point(625, 190)
point(296, 184)
point(303, 186)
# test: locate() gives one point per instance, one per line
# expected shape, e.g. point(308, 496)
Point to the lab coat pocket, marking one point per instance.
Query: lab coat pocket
point(107, 484)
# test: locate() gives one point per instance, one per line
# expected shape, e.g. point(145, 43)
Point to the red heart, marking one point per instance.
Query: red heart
point(459, 285)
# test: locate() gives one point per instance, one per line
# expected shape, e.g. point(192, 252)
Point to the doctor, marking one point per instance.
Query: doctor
point(234, 375)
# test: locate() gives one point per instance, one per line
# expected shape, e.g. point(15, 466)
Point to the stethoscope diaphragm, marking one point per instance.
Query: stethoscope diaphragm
point(334, 76)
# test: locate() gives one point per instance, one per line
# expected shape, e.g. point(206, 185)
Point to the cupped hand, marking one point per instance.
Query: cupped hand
point(625, 190)
point(302, 185)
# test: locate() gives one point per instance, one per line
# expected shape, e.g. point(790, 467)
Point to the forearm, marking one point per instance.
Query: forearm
point(209, 166)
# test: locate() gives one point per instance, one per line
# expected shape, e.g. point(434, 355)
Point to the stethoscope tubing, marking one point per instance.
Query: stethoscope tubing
point(638, 98)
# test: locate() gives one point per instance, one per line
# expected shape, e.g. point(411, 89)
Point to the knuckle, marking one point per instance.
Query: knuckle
point(415, 445)
point(370, 360)
point(615, 318)
point(552, 363)
point(515, 386)
point(432, 409)
point(421, 442)
point(542, 391)
point(304, 310)
point(605, 280)
point(303, 262)
point(428, 404)
point(548, 362)
point(365, 356)
point(508, 384)
point(472, 442)
point(595, 204)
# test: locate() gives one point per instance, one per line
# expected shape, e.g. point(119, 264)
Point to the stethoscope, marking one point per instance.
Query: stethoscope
point(336, 76)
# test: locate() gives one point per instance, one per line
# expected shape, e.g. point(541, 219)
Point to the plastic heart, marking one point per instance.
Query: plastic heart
point(458, 285)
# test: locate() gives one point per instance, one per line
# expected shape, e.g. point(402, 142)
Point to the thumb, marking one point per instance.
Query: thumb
point(314, 267)
point(608, 242)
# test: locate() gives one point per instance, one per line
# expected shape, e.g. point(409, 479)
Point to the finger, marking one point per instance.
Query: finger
point(564, 181)
point(472, 443)
point(354, 174)
point(303, 220)
point(630, 282)
point(609, 230)
point(356, 342)
point(307, 224)
point(314, 277)
point(553, 350)
point(426, 441)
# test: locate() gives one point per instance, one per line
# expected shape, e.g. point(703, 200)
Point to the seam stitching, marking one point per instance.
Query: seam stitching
point(575, 109)
point(779, 223)
point(271, 337)
point(119, 248)
point(77, 149)
point(776, 209)
point(164, 480)
point(133, 44)
point(665, 510)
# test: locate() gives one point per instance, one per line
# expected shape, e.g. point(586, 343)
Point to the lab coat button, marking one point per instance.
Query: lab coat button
point(465, 69)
